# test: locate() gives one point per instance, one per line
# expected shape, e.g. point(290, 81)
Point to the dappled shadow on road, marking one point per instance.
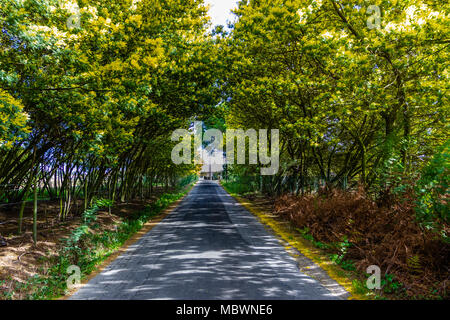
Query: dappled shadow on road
point(207, 249)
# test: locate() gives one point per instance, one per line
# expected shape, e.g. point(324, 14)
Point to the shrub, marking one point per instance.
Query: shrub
point(432, 206)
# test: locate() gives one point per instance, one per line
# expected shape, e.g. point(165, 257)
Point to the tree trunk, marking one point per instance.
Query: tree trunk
point(35, 212)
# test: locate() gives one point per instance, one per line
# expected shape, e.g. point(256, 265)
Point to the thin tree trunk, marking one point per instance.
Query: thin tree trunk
point(35, 211)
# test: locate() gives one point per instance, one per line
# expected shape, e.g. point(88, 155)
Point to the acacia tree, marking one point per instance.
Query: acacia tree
point(347, 98)
point(91, 91)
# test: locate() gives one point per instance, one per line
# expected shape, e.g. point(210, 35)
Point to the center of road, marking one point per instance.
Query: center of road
point(208, 248)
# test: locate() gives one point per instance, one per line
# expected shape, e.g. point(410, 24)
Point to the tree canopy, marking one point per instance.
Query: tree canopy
point(351, 100)
point(90, 91)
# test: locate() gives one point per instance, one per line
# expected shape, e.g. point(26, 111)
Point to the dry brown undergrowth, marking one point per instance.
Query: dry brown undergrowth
point(386, 235)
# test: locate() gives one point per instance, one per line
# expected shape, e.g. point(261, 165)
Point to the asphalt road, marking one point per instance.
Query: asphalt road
point(208, 248)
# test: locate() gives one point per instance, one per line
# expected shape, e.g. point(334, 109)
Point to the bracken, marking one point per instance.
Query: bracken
point(383, 234)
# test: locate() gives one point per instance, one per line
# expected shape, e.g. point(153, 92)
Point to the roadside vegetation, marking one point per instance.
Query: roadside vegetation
point(86, 247)
point(364, 133)
point(351, 231)
point(90, 94)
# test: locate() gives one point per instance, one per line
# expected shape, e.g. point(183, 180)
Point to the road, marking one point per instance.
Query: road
point(208, 248)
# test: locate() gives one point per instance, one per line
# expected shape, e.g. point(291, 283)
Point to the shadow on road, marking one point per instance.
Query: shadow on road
point(208, 248)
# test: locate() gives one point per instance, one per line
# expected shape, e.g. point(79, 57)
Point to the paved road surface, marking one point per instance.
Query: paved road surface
point(210, 247)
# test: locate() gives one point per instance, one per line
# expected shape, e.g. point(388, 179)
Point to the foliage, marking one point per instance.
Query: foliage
point(357, 233)
point(242, 185)
point(12, 120)
point(432, 190)
point(89, 216)
point(90, 92)
point(187, 180)
point(347, 99)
